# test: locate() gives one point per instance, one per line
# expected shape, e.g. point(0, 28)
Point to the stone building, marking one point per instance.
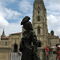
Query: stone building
point(52, 39)
point(40, 27)
point(7, 45)
point(39, 23)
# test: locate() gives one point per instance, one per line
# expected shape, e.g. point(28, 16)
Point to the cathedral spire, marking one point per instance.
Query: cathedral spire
point(3, 36)
point(39, 2)
point(3, 33)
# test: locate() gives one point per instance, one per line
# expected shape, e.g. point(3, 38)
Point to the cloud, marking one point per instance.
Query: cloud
point(3, 21)
point(54, 24)
point(52, 6)
point(25, 6)
point(12, 28)
point(52, 19)
point(9, 13)
point(9, 27)
point(4, 1)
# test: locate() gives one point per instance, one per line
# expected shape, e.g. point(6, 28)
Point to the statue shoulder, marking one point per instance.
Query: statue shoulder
point(32, 33)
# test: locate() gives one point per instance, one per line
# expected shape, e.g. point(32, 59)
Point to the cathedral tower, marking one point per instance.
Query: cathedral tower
point(40, 22)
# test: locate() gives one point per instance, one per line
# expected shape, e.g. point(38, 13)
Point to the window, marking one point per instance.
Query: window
point(15, 48)
point(6, 43)
point(38, 30)
point(38, 9)
point(38, 18)
point(38, 43)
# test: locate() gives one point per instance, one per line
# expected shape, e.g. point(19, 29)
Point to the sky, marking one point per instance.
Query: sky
point(13, 11)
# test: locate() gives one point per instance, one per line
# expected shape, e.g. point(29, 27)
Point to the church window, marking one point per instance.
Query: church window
point(38, 18)
point(38, 43)
point(15, 48)
point(38, 9)
point(38, 30)
point(5, 43)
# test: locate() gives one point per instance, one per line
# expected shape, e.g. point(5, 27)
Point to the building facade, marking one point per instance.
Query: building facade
point(7, 45)
point(40, 22)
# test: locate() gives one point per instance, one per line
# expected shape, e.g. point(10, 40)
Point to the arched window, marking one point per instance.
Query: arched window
point(38, 43)
point(15, 48)
point(6, 43)
point(38, 9)
point(38, 18)
point(38, 30)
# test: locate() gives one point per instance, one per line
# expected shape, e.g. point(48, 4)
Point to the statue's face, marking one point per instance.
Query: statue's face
point(27, 26)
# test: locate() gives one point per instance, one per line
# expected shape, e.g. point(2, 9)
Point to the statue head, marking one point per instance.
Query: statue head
point(25, 19)
point(26, 23)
